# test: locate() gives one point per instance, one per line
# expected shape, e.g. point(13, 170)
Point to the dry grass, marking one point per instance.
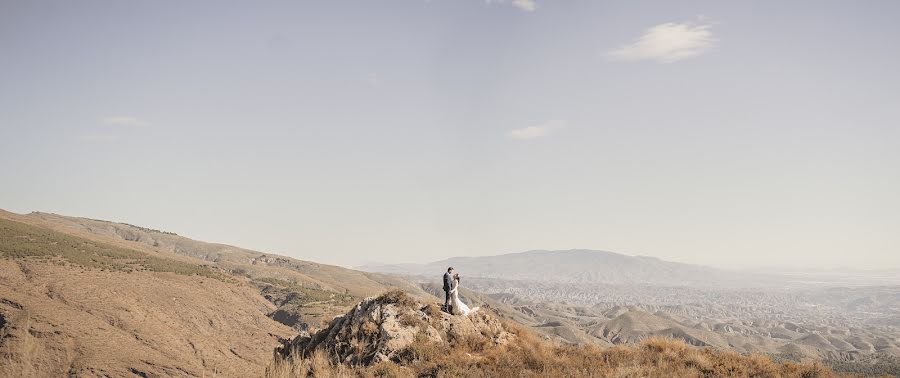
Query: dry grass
point(69, 319)
point(397, 297)
point(21, 359)
point(410, 319)
point(530, 356)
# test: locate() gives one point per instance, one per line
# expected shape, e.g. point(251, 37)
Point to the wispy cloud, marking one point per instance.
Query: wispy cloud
point(536, 131)
point(124, 121)
point(98, 138)
point(525, 5)
point(667, 43)
point(373, 79)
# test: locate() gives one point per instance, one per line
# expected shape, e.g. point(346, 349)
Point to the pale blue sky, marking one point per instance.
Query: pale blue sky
point(732, 134)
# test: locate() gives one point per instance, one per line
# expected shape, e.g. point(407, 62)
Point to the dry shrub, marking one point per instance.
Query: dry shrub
point(410, 319)
point(531, 356)
point(288, 367)
point(389, 369)
point(432, 310)
point(369, 328)
point(397, 297)
point(470, 343)
point(423, 349)
point(316, 365)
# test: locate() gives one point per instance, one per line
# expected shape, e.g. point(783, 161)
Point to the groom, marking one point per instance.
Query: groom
point(448, 278)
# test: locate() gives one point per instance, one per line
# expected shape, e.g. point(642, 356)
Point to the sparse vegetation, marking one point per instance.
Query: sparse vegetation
point(531, 357)
point(409, 319)
point(300, 306)
point(878, 365)
point(299, 295)
point(397, 297)
point(19, 240)
point(150, 230)
point(145, 229)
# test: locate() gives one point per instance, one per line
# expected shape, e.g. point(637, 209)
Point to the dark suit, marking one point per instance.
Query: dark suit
point(448, 279)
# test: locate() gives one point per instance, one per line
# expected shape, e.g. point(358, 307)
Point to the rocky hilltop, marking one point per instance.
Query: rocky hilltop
point(383, 328)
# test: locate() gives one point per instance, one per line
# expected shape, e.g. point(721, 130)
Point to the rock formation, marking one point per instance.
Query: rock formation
point(382, 328)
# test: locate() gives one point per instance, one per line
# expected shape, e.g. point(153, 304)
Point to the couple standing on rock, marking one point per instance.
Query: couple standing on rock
point(452, 303)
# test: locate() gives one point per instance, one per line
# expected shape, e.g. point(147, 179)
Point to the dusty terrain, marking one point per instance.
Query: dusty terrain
point(63, 318)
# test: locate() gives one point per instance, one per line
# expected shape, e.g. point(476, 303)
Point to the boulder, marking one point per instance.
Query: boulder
point(381, 328)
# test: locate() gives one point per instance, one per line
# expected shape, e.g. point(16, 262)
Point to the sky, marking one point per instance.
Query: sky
point(731, 134)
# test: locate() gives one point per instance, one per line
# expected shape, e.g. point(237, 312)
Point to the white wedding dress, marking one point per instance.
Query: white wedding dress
point(457, 306)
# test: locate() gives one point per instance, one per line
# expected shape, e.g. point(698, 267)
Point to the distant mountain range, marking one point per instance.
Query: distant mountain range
point(579, 266)
point(586, 267)
point(605, 298)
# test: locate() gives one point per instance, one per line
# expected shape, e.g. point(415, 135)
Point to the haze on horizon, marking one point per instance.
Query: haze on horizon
point(734, 135)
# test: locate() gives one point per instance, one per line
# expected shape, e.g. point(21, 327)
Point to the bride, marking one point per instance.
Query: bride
point(457, 306)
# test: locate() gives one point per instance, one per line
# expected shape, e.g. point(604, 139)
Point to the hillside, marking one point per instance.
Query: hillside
point(73, 306)
point(394, 335)
point(305, 293)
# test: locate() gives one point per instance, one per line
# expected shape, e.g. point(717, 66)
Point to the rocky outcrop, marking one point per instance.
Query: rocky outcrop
point(382, 328)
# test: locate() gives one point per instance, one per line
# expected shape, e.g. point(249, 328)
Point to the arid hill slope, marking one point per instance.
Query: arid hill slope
point(305, 293)
point(242, 261)
point(73, 306)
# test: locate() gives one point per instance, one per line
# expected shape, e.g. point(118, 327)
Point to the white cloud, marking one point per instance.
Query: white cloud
point(124, 121)
point(525, 5)
point(373, 79)
point(98, 138)
point(536, 131)
point(667, 43)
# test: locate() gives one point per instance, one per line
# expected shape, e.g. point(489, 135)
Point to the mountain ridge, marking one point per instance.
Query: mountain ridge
point(579, 266)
